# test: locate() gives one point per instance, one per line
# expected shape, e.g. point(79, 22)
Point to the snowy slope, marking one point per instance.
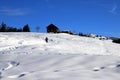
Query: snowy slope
point(26, 56)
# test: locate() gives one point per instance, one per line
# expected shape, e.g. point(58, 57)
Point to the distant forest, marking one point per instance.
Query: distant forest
point(5, 28)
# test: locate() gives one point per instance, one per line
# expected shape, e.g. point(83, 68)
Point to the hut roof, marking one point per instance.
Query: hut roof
point(52, 26)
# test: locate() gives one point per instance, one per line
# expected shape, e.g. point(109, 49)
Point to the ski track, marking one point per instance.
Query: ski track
point(65, 57)
point(56, 64)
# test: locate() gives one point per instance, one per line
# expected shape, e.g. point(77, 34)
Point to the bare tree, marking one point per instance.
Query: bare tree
point(37, 28)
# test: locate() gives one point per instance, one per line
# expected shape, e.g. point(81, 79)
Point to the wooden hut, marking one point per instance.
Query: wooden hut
point(52, 29)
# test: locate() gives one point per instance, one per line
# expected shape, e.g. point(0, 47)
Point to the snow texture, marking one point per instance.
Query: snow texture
point(26, 56)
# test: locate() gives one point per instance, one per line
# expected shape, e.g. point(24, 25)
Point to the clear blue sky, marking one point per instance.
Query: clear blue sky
point(87, 16)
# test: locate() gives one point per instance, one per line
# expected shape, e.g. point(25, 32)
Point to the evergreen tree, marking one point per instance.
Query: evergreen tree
point(81, 34)
point(19, 30)
point(3, 27)
point(26, 28)
point(11, 29)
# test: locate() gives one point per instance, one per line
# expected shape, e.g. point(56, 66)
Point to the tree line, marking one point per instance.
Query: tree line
point(54, 29)
point(5, 28)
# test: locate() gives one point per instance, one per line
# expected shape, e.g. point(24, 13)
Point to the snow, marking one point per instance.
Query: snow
point(26, 56)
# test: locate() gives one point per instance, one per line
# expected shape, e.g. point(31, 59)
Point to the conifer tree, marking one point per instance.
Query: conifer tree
point(3, 27)
point(26, 28)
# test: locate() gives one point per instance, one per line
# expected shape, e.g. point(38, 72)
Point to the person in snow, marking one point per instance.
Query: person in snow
point(46, 39)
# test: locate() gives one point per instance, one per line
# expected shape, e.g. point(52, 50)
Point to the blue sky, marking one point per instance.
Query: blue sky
point(88, 16)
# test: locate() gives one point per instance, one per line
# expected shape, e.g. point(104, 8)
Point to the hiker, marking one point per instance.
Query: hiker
point(46, 39)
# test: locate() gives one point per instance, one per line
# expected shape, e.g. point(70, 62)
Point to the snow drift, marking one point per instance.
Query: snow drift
point(26, 56)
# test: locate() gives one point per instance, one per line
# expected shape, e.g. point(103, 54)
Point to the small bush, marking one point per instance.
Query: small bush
point(116, 41)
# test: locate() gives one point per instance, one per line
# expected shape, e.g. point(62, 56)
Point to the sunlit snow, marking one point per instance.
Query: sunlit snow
point(26, 56)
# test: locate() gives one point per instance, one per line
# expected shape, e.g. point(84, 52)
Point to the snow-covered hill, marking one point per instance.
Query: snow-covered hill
point(26, 56)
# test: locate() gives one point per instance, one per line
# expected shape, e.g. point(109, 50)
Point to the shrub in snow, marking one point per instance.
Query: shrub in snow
point(116, 41)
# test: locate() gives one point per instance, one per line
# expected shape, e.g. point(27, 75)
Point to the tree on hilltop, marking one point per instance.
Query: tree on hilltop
point(3, 27)
point(26, 28)
point(37, 28)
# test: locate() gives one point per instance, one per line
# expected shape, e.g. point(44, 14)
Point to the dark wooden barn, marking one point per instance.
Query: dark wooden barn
point(52, 29)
